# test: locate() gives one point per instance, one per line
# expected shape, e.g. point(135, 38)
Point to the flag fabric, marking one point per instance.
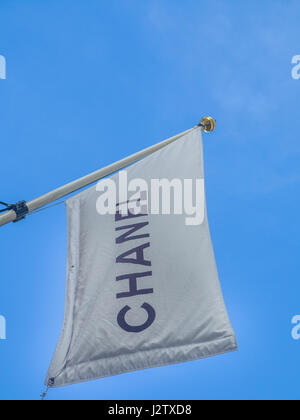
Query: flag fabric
point(142, 289)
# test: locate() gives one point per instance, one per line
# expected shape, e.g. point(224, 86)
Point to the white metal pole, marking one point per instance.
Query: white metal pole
point(67, 189)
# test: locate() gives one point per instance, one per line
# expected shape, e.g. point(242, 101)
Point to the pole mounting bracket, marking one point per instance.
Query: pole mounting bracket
point(20, 208)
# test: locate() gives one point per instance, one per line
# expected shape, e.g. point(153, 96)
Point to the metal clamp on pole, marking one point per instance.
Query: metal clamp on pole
point(20, 208)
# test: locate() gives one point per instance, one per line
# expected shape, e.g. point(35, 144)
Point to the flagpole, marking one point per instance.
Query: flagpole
point(22, 208)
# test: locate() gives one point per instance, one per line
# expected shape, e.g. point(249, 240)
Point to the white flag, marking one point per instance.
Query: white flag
point(142, 283)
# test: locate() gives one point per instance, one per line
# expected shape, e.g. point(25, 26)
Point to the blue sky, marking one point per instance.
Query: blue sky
point(91, 82)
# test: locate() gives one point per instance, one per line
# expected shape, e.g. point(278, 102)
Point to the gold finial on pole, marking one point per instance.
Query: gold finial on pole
point(208, 124)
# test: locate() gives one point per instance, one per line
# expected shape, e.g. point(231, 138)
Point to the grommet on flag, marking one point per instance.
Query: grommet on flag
point(50, 384)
